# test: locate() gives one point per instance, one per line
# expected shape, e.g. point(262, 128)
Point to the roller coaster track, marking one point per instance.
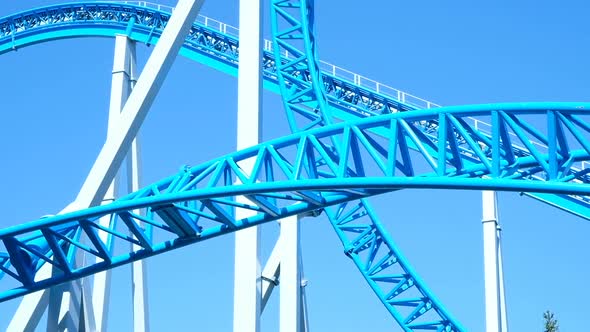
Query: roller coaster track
point(309, 171)
point(306, 103)
point(302, 173)
point(215, 44)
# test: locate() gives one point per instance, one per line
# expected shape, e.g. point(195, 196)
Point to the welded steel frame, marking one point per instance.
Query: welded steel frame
point(553, 173)
point(304, 99)
point(197, 203)
point(217, 48)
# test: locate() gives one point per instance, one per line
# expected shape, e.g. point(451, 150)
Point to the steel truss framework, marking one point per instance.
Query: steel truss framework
point(304, 173)
point(217, 48)
point(307, 107)
point(329, 169)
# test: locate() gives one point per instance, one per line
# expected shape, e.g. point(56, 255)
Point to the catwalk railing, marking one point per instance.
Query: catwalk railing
point(544, 157)
point(209, 45)
point(326, 67)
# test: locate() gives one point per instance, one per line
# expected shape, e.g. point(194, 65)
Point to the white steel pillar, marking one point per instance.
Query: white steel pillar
point(293, 304)
point(304, 313)
point(503, 314)
point(290, 290)
point(271, 273)
point(247, 275)
point(116, 147)
point(140, 100)
point(493, 282)
point(120, 89)
point(138, 268)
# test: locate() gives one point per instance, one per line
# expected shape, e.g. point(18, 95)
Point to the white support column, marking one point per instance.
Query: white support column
point(116, 147)
point(304, 313)
point(271, 273)
point(120, 89)
point(247, 275)
point(490, 252)
point(503, 314)
point(64, 312)
point(137, 106)
point(304, 282)
point(247, 279)
point(31, 308)
point(138, 268)
point(290, 290)
point(287, 253)
point(87, 321)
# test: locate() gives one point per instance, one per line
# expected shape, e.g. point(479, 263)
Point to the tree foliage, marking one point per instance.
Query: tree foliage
point(551, 324)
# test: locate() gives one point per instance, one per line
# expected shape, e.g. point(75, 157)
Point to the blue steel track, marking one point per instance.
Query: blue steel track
point(321, 167)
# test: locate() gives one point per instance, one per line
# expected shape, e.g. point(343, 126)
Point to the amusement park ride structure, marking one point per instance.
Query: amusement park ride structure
point(349, 141)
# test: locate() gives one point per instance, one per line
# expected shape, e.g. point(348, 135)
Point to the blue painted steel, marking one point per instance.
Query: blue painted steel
point(304, 99)
point(205, 44)
point(214, 48)
point(550, 166)
point(197, 203)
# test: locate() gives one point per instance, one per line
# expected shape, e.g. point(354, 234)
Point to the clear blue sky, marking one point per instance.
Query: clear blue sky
point(53, 121)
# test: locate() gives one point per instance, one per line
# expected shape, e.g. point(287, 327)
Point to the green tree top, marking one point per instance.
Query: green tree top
point(551, 324)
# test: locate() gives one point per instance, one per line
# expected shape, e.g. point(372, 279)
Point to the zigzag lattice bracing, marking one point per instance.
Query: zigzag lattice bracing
point(197, 203)
point(328, 169)
point(215, 45)
point(304, 98)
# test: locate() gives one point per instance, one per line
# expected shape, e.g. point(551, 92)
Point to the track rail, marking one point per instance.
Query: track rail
point(214, 44)
point(512, 154)
point(307, 107)
point(198, 202)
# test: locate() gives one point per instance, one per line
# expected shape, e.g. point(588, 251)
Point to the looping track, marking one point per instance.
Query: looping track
point(331, 168)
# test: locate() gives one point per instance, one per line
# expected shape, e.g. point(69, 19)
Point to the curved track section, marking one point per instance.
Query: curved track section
point(197, 203)
point(326, 169)
point(305, 102)
point(210, 42)
point(298, 73)
point(215, 44)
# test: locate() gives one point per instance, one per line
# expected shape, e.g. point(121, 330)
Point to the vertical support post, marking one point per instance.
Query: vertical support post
point(271, 273)
point(138, 268)
point(138, 104)
point(491, 260)
point(247, 275)
point(117, 145)
point(31, 308)
point(304, 313)
point(290, 290)
point(503, 314)
point(282, 255)
point(64, 312)
point(120, 89)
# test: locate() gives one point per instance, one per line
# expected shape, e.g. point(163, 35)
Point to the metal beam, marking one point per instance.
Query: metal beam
point(112, 154)
point(138, 268)
point(271, 273)
point(503, 314)
point(290, 290)
point(304, 312)
point(137, 106)
point(247, 275)
point(490, 252)
point(120, 89)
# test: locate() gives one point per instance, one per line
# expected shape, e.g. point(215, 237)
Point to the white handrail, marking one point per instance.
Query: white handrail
point(344, 74)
